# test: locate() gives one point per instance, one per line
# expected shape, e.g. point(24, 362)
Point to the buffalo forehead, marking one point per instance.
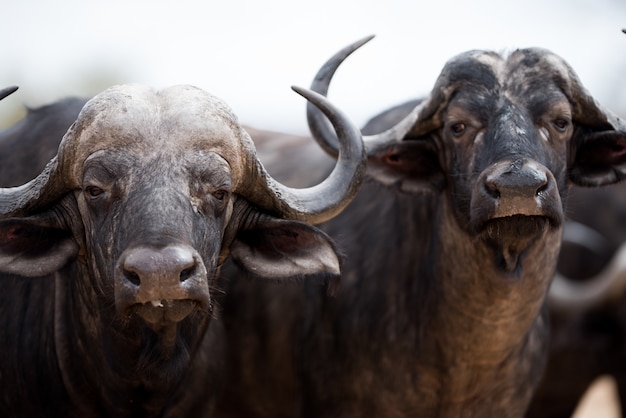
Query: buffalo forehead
point(537, 74)
point(141, 121)
point(479, 68)
point(529, 67)
point(534, 78)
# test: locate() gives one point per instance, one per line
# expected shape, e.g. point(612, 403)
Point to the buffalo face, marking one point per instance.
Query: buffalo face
point(148, 229)
point(505, 151)
point(154, 196)
point(502, 136)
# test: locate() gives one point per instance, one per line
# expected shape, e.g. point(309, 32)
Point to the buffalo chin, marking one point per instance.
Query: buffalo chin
point(166, 346)
point(160, 313)
point(163, 359)
point(510, 236)
point(167, 328)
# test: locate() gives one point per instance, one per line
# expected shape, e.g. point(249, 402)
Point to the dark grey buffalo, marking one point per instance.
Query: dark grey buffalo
point(109, 257)
point(450, 250)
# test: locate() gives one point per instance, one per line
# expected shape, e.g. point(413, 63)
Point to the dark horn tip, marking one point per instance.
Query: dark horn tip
point(306, 93)
point(328, 69)
point(7, 91)
point(362, 41)
point(345, 52)
point(313, 97)
point(624, 30)
point(300, 90)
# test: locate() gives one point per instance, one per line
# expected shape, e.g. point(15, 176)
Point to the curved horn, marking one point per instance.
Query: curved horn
point(17, 200)
point(43, 189)
point(7, 91)
point(610, 284)
point(321, 202)
point(318, 124)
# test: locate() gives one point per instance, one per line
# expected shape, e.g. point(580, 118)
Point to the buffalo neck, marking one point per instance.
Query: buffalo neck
point(116, 364)
point(404, 242)
point(483, 304)
point(424, 289)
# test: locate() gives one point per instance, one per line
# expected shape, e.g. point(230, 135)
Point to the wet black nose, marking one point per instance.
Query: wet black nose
point(516, 180)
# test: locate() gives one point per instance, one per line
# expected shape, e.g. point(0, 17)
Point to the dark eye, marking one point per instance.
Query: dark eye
point(457, 128)
point(560, 124)
point(220, 195)
point(93, 191)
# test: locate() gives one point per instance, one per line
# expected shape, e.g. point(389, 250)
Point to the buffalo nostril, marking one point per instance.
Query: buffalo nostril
point(187, 273)
point(541, 189)
point(132, 277)
point(492, 190)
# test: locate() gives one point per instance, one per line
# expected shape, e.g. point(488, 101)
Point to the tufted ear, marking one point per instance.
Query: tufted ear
point(34, 246)
point(284, 249)
point(411, 165)
point(598, 152)
point(600, 159)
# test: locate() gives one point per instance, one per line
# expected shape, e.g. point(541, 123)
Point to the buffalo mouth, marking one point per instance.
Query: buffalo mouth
point(511, 236)
point(515, 228)
point(164, 330)
point(165, 311)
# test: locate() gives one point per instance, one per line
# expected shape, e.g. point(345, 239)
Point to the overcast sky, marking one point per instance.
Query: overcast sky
point(249, 52)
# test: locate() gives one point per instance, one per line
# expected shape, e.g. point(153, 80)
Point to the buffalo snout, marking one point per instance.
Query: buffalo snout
point(520, 187)
point(161, 284)
point(516, 188)
point(517, 179)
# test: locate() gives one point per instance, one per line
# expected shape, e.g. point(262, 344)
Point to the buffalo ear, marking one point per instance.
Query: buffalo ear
point(34, 246)
point(412, 165)
point(282, 249)
point(600, 159)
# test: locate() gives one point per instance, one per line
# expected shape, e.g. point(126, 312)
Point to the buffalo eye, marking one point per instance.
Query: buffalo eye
point(560, 124)
point(457, 128)
point(93, 192)
point(219, 195)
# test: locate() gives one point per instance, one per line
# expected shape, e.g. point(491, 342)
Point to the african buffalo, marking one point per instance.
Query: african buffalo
point(450, 250)
point(109, 257)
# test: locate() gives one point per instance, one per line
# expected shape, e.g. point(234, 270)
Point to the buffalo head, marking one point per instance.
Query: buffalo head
point(149, 193)
point(502, 136)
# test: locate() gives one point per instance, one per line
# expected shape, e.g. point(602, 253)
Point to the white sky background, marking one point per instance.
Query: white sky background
point(249, 52)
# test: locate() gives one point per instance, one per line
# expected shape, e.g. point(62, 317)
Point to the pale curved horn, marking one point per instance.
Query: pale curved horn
point(323, 201)
point(610, 284)
point(319, 126)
